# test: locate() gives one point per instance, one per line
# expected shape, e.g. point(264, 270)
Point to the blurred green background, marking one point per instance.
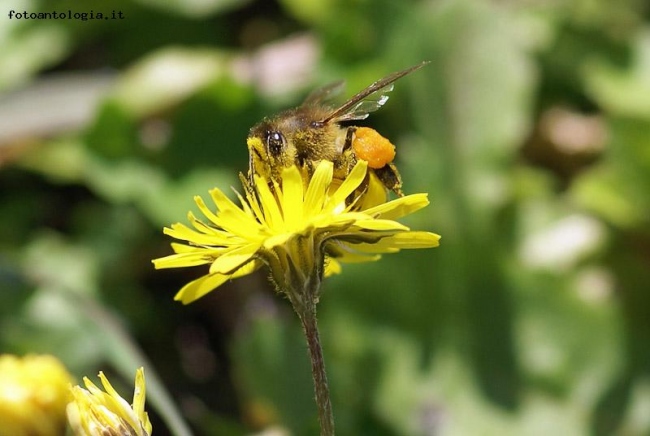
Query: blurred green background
point(530, 130)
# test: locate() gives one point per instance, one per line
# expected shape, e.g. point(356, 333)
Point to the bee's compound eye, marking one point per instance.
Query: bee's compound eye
point(274, 142)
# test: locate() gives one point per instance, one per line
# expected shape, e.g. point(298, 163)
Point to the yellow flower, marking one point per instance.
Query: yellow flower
point(97, 413)
point(33, 395)
point(300, 232)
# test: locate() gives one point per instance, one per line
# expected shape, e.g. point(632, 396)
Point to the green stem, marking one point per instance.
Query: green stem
point(321, 388)
point(299, 277)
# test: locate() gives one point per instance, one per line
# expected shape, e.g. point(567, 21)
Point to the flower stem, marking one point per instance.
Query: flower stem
point(321, 388)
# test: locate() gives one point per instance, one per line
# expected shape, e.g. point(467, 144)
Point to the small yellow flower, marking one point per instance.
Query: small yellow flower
point(33, 395)
point(300, 232)
point(97, 413)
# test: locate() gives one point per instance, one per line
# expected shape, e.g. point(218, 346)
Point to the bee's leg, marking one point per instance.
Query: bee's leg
point(347, 159)
point(248, 184)
point(307, 170)
point(349, 136)
point(391, 178)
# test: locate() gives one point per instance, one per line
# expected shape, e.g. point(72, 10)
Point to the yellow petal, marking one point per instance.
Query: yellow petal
point(228, 208)
point(118, 405)
point(279, 198)
point(292, 200)
point(139, 393)
point(205, 210)
point(91, 386)
point(228, 262)
point(199, 287)
point(346, 253)
point(222, 201)
point(399, 207)
point(184, 248)
point(232, 218)
point(332, 267)
point(269, 204)
point(380, 225)
point(182, 260)
point(252, 208)
point(318, 186)
point(277, 240)
point(334, 222)
point(400, 241)
point(245, 227)
point(209, 230)
point(376, 193)
point(184, 233)
point(414, 240)
point(253, 202)
point(352, 182)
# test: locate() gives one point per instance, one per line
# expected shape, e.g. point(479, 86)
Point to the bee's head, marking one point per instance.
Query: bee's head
point(271, 143)
point(267, 147)
point(267, 140)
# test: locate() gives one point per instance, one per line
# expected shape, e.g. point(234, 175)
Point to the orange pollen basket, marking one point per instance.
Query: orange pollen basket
point(372, 147)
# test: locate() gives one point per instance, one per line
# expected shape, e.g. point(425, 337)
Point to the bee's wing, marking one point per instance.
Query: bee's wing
point(359, 106)
point(325, 93)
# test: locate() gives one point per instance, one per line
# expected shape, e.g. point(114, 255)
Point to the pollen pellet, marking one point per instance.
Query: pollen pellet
point(372, 147)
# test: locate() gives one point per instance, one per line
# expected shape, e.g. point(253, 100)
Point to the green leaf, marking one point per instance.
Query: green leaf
point(623, 91)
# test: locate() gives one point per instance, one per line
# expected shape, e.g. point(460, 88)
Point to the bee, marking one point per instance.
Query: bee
point(315, 131)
